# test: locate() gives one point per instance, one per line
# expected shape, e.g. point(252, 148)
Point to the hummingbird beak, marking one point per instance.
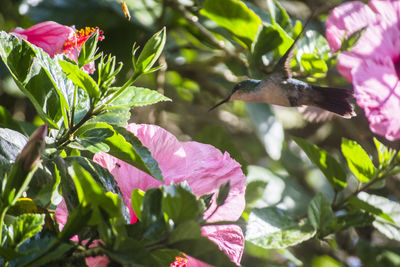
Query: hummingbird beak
point(220, 103)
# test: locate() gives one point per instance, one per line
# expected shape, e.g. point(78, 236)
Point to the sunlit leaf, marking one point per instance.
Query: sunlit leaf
point(273, 228)
point(234, 16)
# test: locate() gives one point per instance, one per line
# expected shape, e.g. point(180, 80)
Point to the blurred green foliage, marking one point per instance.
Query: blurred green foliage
point(210, 46)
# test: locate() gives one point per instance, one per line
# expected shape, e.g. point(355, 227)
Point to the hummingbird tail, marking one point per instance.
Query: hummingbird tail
point(335, 100)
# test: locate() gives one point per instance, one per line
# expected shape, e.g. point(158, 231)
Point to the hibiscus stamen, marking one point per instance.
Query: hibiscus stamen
point(80, 37)
point(179, 262)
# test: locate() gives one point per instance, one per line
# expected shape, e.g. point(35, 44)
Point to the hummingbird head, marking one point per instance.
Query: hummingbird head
point(242, 91)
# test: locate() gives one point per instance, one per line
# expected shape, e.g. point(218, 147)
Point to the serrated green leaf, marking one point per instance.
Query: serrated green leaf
point(39, 77)
point(272, 228)
point(24, 227)
point(358, 160)
point(137, 97)
point(320, 213)
point(80, 78)
point(332, 170)
point(234, 16)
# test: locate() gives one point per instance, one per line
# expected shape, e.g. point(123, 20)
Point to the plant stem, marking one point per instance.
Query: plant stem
point(2, 216)
point(73, 106)
point(120, 91)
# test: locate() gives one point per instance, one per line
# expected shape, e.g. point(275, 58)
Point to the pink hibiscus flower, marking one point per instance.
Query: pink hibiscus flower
point(55, 39)
point(203, 167)
point(373, 64)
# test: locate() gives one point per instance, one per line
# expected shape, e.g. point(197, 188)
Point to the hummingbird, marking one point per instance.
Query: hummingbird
point(280, 88)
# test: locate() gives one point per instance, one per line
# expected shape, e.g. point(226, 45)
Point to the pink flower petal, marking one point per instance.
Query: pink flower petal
point(49, 35)
point(208, 170)
point(389, 10)
point(377, 90)
point(229, 239)
point(205, 169)
point(346, 62)
point(346, 19)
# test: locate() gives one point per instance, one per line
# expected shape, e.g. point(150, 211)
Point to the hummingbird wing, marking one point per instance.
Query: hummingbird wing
point(283, 65)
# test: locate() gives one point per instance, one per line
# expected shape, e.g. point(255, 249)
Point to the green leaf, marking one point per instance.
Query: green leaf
point(7, 121)
point(153, 220)
point(91, 193)
point(223, 193)
point(357, 203)
point(24, 167)
point(332, 170)
point(269, 130)
point(384, 153)
point(80, 78)
point(24, 227)
point(313, 64)
point(131, 252)
point(180, 204)
point(137, 97)
point(150, 53)
point(389, 207)
point(352, 39)
point(122, 144)
point(353, 219)
point(39, 77)
point(137, 202)
point(41, 251)
point(115, 117)
point(88, 50)
point(272, 228)
point(234, 16)
point(102, 177)
point(358, 160)
point(267, 39)
point(77, 219)
point(278, 14)
point(11, 144)
point(92, 139)
point(127, 147)
point(320, 213)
